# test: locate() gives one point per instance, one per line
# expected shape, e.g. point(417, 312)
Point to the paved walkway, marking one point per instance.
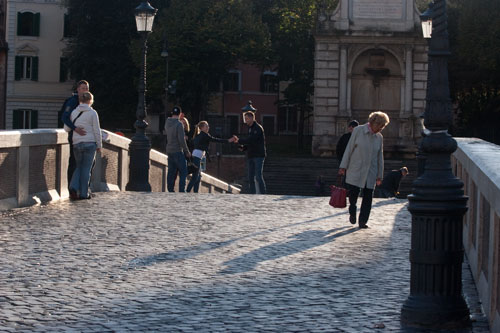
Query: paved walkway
point(205, 263)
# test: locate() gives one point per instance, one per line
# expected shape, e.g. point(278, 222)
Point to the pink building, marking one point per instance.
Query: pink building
point(242, 84)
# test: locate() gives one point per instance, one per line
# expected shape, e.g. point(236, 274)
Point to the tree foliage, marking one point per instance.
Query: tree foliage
point(291, 24)
point(206, 38)
point(475, 66)
point(99, 53)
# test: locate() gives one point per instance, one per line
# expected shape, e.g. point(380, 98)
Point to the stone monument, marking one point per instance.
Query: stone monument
point(370, 55)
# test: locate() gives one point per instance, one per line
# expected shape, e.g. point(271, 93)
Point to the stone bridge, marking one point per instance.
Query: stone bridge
point(179, 262)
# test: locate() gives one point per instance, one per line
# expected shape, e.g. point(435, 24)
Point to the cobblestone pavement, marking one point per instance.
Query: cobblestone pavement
point(206, 263)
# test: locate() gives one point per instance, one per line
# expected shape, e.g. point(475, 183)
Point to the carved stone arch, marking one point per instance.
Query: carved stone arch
point(358, 52)
point(376, 81)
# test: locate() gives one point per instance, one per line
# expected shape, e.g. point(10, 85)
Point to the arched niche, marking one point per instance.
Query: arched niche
point(377, 83)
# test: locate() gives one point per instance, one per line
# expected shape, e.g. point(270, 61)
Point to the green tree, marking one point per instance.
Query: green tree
point(291, 24)
point(99, 53)
point(206, 38)
point(475, 66)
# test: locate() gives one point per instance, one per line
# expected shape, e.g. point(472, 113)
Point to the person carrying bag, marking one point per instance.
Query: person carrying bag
point(339, 195)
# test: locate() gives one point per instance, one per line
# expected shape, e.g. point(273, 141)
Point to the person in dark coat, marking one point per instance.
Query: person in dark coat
point(390, 185)
point(201, 142)
point(344, 139)
point(69, 105)
point(255, 146)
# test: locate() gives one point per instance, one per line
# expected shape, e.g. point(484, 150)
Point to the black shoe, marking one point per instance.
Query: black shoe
point(352, 219)
point(73, 195)
point(363, 226)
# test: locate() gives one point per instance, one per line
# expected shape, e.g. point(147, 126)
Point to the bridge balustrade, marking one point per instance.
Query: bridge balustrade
point(33, 168)
point(477, 162)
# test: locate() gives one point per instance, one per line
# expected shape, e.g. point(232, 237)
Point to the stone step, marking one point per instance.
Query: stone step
point(297, 176)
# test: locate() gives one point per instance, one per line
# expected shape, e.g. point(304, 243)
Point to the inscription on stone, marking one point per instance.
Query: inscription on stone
point(378, 9)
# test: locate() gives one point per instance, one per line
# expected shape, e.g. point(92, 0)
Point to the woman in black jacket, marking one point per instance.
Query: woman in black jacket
point(201, 140)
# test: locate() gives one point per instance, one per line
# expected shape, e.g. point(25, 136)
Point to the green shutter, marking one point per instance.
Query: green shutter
point(66, 32)
point(34, 119)
point(36, 24)
point(17, 119)
point(19, 68)
point(63, 69)
point(19, 19)
point(34, 68)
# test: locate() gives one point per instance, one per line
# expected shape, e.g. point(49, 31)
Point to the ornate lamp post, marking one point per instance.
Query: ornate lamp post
point(140, 146)
point(248, 107)
point(164, 54)
point(438, 203)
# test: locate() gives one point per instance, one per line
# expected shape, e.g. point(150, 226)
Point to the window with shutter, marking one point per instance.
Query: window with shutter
point(232, 81)
point(28, 24)
point(269, 83)
point(26, 68)
point(34, 69)
point(19, 68)
point(67, 30)
point(63, 70)
point(25, 119)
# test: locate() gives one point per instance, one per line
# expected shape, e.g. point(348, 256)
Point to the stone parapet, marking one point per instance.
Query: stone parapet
point(476, 163)
point(34, 163)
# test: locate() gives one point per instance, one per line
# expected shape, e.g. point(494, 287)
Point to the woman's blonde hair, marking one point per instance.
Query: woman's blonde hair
point(187, 128)
point(379, 118)
point(86, 97)
point(197, 130)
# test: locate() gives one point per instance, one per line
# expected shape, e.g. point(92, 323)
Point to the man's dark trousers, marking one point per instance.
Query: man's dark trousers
point(366, 203)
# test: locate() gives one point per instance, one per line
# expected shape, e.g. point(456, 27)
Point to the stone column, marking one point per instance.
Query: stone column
point(343, 100)
point(408, 96)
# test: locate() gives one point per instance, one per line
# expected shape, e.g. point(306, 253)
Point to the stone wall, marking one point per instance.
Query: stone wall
point(229, 168)
point(33, 168)
point(476, 163)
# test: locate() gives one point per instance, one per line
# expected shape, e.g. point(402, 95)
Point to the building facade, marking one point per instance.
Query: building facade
point(37, 78)
point(370, 55)
point(246, 82)
point(3, 62)
point(241, 84)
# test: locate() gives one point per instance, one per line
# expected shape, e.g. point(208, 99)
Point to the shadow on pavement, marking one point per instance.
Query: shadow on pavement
point(298, 243)
point(193, 251)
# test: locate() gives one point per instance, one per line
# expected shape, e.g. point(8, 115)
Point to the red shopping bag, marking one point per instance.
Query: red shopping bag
point(338, 196)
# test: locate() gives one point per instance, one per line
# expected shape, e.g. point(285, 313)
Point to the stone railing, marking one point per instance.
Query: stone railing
point(476, 163)
point(33, 168)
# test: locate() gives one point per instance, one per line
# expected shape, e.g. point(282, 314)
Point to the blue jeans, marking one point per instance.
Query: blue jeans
point(255, 166)
point(194, 183)
point(176, 162)
point(84, 158)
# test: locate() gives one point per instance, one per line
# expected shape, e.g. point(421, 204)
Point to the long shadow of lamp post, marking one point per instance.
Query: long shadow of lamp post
point(437, 204)
point(140, 146)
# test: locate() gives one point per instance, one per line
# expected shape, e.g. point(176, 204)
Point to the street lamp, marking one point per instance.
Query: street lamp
point(248, 107)
point(164, 54)
point(140, 145)
point(437, 204)
point(426, 19)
